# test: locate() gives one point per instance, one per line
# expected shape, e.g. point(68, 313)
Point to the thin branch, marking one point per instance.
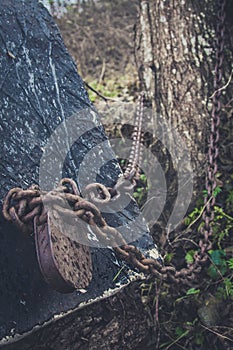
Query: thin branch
point(228, 103)
point(184, 239)
point(101, 78)
point(200, 215)
point(106, 99)
point(216, 333)
point(223, 87)
point(175, 341)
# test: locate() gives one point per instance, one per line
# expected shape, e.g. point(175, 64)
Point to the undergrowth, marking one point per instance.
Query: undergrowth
point(201, 315)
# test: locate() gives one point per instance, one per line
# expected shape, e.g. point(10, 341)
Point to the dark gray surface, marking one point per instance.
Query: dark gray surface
point(39, 89)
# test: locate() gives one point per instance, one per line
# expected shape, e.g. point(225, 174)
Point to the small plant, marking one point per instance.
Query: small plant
point(111, 89)
point(141, 189)
point(218, 267)
point(223, 224)
point(189, 257)
point(193, 291)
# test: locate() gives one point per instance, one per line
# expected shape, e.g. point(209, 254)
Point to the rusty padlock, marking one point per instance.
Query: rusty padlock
point(64, 263)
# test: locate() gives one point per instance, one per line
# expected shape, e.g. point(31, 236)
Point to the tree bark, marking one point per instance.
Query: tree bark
point(175, 51)
point(175, 54)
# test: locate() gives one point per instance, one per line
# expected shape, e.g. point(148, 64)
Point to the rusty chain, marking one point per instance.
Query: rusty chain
point(135, 156)
point(22, 206)
point(213, 152)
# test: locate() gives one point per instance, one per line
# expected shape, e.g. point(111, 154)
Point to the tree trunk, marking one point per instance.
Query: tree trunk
point(175, 54)
point(175, 50)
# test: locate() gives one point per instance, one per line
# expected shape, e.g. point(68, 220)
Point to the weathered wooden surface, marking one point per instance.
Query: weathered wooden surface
point(40, 89)
point(116, 323)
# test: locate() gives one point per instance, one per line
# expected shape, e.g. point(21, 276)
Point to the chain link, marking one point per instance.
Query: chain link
point(135, 156)
point(213, 152)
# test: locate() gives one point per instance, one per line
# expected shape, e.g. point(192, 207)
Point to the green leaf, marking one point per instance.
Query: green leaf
point(217, 191)
point(217, 257)
point(219, 264)
point(230, 263)
point(179, 331)
point(189, 256)
point(143, 177)
point(139, 189)
point(213, 272)
point(168, 257)
point(205, 193)
point(228, 286)
point(187, 221)
point(221, 293)
point(192, 291)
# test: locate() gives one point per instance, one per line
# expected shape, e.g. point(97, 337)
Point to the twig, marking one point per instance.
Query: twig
point(175, 341)
point(158, 328)
point(106, 99)
point(200, 215)
point(228, 103)
point(224, 327)
point(218, 334)
point(101, 78)
point(223, 87)
point(118, 273)
point(184, 239)
point(157, 304)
